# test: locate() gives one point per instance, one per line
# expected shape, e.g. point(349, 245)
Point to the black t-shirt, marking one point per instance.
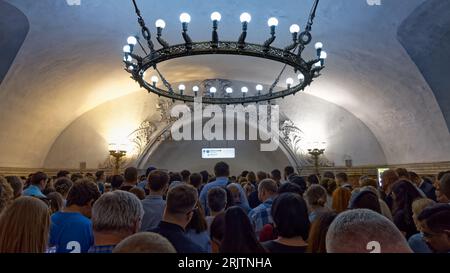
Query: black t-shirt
point(275, 247)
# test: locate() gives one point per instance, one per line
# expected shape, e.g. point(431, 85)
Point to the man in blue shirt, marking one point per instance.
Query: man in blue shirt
point(261, 215)
point(38, 182)
point(154, 204)
point(222, 172)
point(71, 229)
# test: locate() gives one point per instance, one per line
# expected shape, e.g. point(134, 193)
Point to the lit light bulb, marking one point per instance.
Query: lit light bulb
point(131, 68)
point(215, 16)
point(301, 77)
point(259, 87)
point(155, 79)
point(319, 45)
point(245, 17)
point(289, 81)
point(195, 88)
point(323, 55)
point(160, 23)
point(229, 90)
point(181, 87)
point(185, 18)
point(127, 49)
point(272, 22)
point(244, 89)
point(213, 90)
point(318, 64)
point(132, 40)
point(127, 58)
point(294, 28)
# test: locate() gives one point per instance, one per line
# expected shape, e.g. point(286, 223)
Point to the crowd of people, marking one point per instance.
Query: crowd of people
point(276, 212)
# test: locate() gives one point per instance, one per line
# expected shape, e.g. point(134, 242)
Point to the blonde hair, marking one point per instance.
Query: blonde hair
point(6, 193)
point(24, 226)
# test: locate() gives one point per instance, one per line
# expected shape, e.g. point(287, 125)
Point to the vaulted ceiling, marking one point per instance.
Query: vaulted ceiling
point(70, 64)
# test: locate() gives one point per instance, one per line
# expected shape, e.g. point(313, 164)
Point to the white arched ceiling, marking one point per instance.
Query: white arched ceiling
point(71, 62)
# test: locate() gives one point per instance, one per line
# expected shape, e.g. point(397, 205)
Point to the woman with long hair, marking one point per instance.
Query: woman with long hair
point(403, 194)
point(239, 234)
point(341, 199)
point(318, 232)
point(197, 229)
point(24, 226)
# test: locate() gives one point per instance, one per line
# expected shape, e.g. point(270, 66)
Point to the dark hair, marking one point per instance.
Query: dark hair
point(445, 185)
point(82, 192)
point(63, 185)
point(329, 174)
point(299, 181)
point(205, 176)
point(139, 192)
point(56, 201)
point(288, 170)
point(313, 179)
point(365, 199)
point(261, 176)
point(175, 177)
point(75, 176)
point(62, 174)
point(185, 175)
point(16, 185)
point(276, 174)
point(198, 221)
point(402, 172)
point(131, 174)
point(157, 180)
point(441, 174)
point(149, 170)
point(244, 173)
point(329, 184)
point(99, 174)
point(117, 181)
point(413, 175)
point(181, 199)
point(342, 176)
point(195, 180)
point(318, 232)
point(222, 169)
point(37, 178)
point(239, 234)
point(217, 228)
point(217, 199)
point(405, 194)
point(437, 217)
point(290, 187)
point(290, 215)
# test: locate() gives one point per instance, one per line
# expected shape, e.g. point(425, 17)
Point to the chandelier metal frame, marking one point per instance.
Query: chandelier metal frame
point(289, 56)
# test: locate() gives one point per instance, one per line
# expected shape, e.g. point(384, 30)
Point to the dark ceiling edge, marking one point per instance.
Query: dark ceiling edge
point(12, 35)
point(421, 34)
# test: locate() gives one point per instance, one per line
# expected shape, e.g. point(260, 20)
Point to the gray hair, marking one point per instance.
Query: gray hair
point(356, 231)
point(116, 211)
point(145, 242)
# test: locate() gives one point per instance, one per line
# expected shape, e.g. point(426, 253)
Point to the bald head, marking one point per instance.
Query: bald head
point(361, 230)
point(145, 242)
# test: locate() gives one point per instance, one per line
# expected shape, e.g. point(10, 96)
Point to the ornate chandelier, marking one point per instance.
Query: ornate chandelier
point(138, 65)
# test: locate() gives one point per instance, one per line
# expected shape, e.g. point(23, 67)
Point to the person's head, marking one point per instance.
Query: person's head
point(82, 196)
point(329, 175)
point(76, 176)
point(185, 176)
point(316, 196)
point(25, 226)
point(403, 194)
point(436, 227)
point(290, 187)
point(276, 175)
point(388, 178)
point(16, 184)
point(131, 175)
point(267, 189)
point(158, 182)
point(196, 180)
point(217, 199)
point(39, 179)
point(364, 199)
point(239, 234)
point(364, 231)
point(222, 169)
point(205, 176)
point(415, 178)
point(341, 179)
point(288, 171)
point(329, 184)
point(248, 188)
point(235, 193)
point(100, 175)
point(181, 202)
point(175, 177)
point(116, 181)
point(140, 193)
point(290, 215)
point(260, 176)
point(318, 232)
point(63, 173)
point(402, 173)
point(251, 177)
point(118, 212)
point(417, 207)
point(144, 242)
point(149, 170)
point(6, 194)
point(300, 181)
point(198, 221)
point(312, 179)
point(444, 188)
point(217, 231)
point(56, 201)
point(341, 198)
point(366, 182)
point(62, 186)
